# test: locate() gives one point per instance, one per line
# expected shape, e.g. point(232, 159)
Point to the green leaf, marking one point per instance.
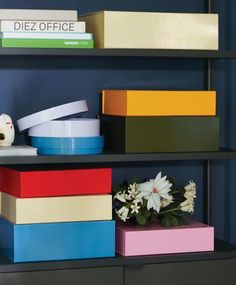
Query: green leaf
point(141, 220)
point(174, 220)
point(155, 219)
point(181, 220)
point(165, 222)
point(169, 220)
point(147, 214)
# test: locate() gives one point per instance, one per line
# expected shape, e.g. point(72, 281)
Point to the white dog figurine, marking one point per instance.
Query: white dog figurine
point(7, 131)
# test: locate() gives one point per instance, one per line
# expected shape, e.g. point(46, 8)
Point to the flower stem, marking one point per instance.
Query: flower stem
point(170, 210)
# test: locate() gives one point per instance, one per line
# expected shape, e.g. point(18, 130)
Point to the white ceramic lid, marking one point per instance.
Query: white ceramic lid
point(52, 114)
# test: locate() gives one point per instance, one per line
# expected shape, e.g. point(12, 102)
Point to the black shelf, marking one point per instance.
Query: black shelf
point(222, 251)
point(161, 53)
point(116, 158)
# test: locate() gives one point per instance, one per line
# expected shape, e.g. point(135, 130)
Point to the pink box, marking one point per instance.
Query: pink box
point(155, 239)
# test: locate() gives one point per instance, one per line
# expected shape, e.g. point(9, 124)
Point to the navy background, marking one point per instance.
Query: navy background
point(30, 84)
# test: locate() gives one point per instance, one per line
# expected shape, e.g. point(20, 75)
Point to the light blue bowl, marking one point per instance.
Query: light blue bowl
point(70, 151)
point(68, 143)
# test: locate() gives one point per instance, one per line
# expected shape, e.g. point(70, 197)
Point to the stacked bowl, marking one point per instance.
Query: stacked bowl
point(52, 135)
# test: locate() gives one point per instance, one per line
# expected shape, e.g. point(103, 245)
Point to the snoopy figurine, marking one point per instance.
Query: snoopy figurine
point(7, 131)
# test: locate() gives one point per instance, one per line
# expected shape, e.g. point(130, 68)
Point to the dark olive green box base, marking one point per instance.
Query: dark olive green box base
point(160, 134)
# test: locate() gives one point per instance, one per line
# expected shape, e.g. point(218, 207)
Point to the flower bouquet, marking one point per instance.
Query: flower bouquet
point(156, 200)
point(158, 206)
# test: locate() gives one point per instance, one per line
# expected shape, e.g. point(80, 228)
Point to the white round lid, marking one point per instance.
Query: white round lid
point(52, 114)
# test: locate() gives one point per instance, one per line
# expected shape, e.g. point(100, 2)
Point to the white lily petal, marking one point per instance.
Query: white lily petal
point(164, 190)
point(158, 177)
point(160, 181)
point(125, 213)
point(157, 201)
point(158, 206)
point(146, 186)
point(142, 194)
point(166, 196)
point(150, 203)
point(169, 185)
point(120, 198)
point(121, 210)
point(163, 185)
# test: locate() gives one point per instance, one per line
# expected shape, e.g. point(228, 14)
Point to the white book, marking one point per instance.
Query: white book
point(37, 14)
point(66, 36)
point(17, 150)
point(42, 26)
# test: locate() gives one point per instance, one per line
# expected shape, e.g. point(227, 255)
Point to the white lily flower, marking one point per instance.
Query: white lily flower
point(138, 200)
point(123, 213)
point(189, 195)
point(127, 196)
point(190, 190)
point(187, 206)
point(166, 201)
point(191, 186)
point(135, 208)
point(153, 190)
point(133, 189)
point(120, 196)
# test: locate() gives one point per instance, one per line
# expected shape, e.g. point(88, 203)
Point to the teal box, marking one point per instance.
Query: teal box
point(57, 241)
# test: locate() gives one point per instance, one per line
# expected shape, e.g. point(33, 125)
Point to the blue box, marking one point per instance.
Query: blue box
point(57, 241)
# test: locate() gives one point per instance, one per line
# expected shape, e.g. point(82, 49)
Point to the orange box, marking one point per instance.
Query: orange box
point(158, 103)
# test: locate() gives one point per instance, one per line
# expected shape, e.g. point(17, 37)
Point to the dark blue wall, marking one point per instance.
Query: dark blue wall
point(30, 84)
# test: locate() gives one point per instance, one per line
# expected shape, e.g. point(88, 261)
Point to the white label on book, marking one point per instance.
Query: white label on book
point(42, 26)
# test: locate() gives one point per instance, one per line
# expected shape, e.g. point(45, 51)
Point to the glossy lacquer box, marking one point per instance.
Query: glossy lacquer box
point(126, 29)
point(44, 183)
point(156, 239)
point(159, 103)
point(56, 209)
point(57, 241)
point(136, 134)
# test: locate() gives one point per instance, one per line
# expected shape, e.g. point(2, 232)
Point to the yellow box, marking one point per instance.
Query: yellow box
point(116, 29)
point(56, 209)
point(158, 103)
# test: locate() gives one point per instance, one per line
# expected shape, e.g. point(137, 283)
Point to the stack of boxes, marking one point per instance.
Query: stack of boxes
point(147, 121)
point(56, 215)
point(151, 121)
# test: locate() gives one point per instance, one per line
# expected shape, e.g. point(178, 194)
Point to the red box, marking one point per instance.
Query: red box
point(46, 183)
